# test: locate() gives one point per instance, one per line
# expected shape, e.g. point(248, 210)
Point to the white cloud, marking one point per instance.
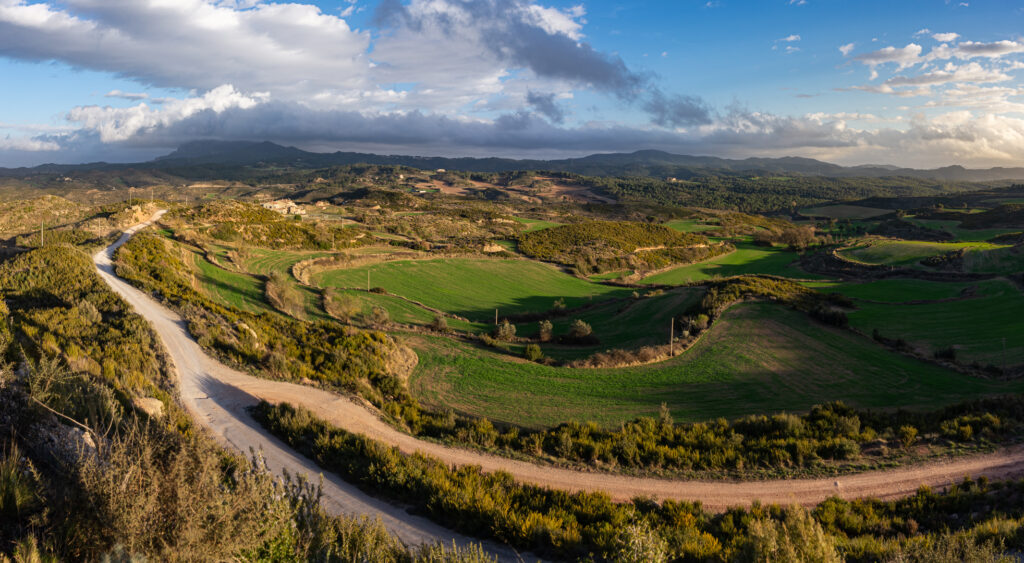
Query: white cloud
point(903, 57)
point(26, 144)
point(791, 38)
point(971, 72)
point(126, 95)
point(945, 37)
point(122, 124)
point(971, 49)
point(847, 49)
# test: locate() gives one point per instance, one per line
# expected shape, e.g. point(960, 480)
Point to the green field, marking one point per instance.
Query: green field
point(897, 290)
point(474, 288)
point(536, 224)
point(263, 261)
point(854, 212)
point(231, 288)
point(402, 311)
point(746, 259)
point(906, 253)
point(962, 235)
point(1006, 260)
point(975, 327)
point(759, 358)
point(620, 324)
point(690, 226)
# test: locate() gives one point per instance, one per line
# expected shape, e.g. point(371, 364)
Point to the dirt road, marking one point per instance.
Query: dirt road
point(217, 396)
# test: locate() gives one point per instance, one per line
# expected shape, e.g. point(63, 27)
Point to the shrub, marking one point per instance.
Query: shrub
point(439, 323)
point(505, 331)
point(533, 353)
point(907, 435)
point(341, 306)
point(579, 330)
point(796, 538)
point(546, 331)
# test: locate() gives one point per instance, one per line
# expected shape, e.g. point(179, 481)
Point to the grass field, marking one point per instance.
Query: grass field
point(907, 253)
point(1006, 260)
point(231, 288)
point(690, 226)
point(976, 327)
point(536, 224)
point(854, 212)
point(263, 261)
point(473, 288)
point(897, 290)
point(962, 235)
point(401, 311)
point(759, 358)
point(627, 324)
point(746, 259)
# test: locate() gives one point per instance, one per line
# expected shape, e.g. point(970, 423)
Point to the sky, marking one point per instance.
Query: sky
point(921, 83)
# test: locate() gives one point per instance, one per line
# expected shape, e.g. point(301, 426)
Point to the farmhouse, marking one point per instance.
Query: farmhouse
point(285, 207)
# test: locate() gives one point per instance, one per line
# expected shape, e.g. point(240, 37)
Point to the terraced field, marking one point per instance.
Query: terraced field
point(690, 226)
point(974, 327)
point(263, 261)
point(474, 288)
point(231, 288)
point(746, 259)
point(536, 224)
point(907, 253)
point(758, 358)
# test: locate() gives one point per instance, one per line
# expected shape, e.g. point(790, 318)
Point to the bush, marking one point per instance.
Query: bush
point(546, 331)
point(505, 331)
point(341, 306)
point(439, 323)
point(579, 330)
point(533, 353)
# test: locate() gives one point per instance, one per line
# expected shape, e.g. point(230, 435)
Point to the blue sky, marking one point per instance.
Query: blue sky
point(917, 82)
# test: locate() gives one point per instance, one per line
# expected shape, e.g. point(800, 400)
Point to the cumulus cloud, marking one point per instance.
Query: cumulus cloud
point(28, 144)
point(903, 57)
point(192, 44)
point(122, 124)
point(847, 49)
point(945, 37)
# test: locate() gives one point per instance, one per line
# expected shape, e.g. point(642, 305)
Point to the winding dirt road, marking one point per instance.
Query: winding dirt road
point(217, 396)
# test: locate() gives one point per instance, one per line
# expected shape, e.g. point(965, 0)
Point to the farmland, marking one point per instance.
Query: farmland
point(474, 288)
point(907, 253)
point(758, 358)
point(746, 259)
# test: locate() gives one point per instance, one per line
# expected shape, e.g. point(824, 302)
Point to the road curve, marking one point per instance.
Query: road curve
point(218, 395)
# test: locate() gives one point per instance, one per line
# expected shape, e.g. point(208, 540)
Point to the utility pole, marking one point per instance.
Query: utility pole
point(672, 336)
point(495, 317)
point(41, 224)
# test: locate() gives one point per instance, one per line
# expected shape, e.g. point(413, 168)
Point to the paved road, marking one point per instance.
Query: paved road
point(217, 397)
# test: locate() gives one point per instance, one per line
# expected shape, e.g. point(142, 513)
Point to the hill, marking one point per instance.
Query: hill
point(205, 153)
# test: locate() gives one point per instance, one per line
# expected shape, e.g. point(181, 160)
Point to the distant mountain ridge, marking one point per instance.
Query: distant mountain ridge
point(640, 163)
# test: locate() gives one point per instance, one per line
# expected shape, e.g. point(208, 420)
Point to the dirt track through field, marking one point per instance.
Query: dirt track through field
point(217, 396)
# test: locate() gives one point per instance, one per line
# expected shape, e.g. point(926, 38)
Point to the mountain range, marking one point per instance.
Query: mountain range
point(238, 154)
